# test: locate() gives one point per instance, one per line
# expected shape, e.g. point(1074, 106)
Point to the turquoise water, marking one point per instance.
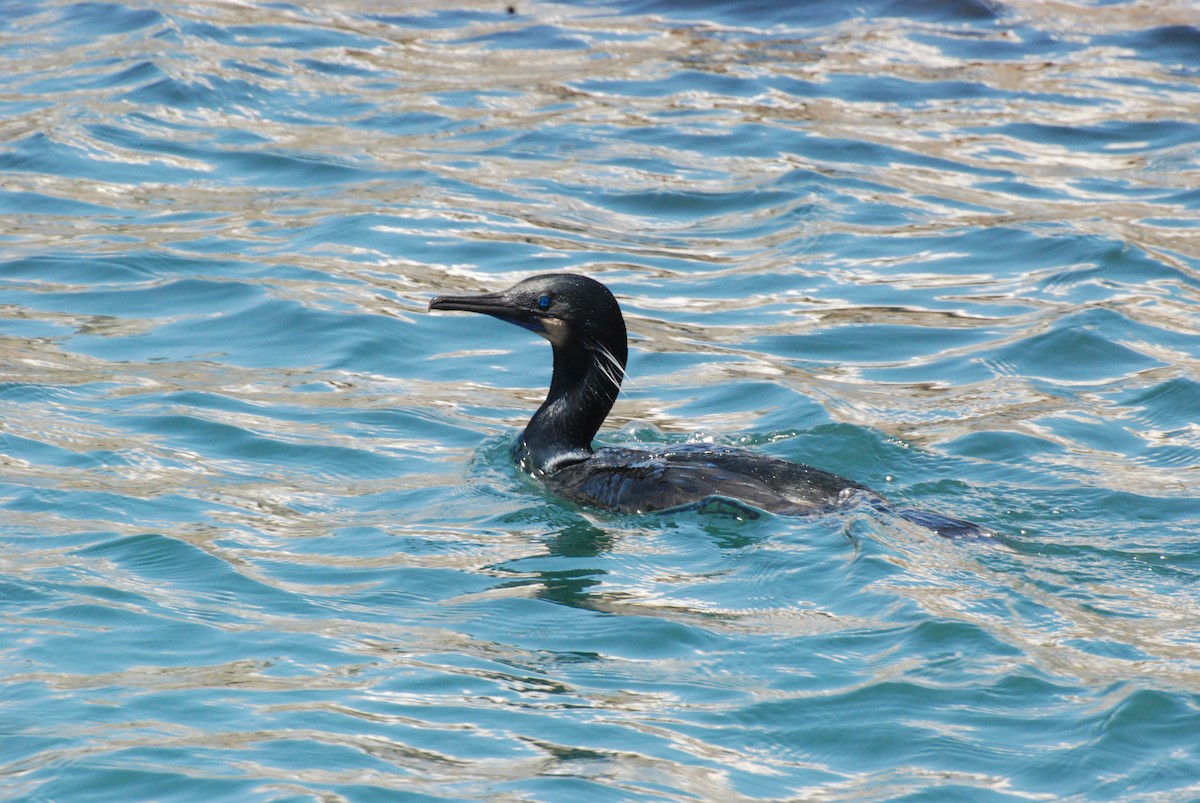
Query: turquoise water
point(260, 537)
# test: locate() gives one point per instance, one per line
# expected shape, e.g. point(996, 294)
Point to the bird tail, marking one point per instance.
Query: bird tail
point(947, 527)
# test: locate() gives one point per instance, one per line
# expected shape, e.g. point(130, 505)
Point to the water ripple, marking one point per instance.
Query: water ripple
point(260, 534)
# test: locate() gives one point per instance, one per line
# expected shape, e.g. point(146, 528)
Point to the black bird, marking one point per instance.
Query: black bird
point(583, 323)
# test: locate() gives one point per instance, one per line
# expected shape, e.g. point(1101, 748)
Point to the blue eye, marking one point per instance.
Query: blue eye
point(543, 302)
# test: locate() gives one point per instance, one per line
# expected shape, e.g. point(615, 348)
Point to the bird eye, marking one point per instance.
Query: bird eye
point(543, 302)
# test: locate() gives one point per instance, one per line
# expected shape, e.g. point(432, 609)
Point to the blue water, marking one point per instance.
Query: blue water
point(260, 536)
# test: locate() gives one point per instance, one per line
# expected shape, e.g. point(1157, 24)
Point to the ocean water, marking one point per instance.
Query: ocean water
point(260, 535)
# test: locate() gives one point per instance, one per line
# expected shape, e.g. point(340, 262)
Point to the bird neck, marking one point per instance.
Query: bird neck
point(584, 387)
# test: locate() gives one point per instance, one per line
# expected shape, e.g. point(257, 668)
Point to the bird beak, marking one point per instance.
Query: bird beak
point(488, 303)
point(498, 305)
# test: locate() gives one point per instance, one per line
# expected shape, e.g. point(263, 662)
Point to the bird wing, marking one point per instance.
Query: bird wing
point(634, 481)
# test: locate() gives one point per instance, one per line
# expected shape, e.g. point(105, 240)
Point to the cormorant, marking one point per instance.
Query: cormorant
point(584, 325)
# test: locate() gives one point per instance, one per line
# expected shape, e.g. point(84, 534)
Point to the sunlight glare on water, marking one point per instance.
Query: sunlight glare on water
point(260, 532)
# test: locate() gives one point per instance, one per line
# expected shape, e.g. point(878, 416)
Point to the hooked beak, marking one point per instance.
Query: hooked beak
point(498, 305)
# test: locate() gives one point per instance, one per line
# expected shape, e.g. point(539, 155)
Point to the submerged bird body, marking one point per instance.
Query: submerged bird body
point(584, 325)
point(641, 481)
